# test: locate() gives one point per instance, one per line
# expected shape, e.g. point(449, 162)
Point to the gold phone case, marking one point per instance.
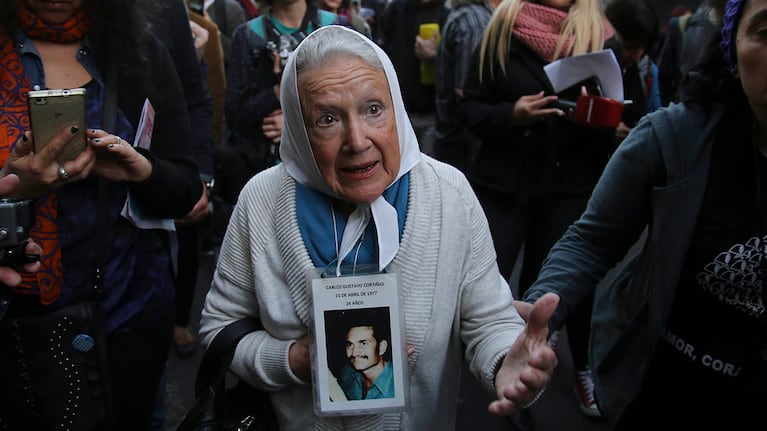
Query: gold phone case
point(52, 110)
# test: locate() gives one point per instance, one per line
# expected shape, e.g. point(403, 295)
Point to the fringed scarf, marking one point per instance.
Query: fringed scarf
point(14, 120)
point(539, 28)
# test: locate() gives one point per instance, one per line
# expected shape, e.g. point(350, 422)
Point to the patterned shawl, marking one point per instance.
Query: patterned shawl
point(14, 120)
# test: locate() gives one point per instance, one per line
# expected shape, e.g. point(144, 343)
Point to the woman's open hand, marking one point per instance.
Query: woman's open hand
point(530, 362)
point(532, 108)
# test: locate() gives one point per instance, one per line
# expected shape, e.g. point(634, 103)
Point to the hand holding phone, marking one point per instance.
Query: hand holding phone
point(52, 110)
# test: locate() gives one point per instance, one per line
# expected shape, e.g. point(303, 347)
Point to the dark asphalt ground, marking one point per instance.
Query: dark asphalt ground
point(556, 410)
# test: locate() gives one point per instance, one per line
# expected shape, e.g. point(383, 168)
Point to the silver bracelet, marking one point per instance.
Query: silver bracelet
point(535, 399)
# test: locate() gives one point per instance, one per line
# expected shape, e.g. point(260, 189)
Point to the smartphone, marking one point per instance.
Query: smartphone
point(592, 84)
point(52, 110)
point(197, 6)
point(568, 97)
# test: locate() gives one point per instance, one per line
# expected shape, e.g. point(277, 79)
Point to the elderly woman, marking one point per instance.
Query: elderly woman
point(354, 189)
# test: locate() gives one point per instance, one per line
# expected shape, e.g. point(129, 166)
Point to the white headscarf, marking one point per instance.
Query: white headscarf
point(298, 158)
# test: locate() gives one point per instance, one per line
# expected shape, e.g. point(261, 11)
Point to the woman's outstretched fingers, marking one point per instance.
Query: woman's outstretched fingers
point(529, 363)
point(543, 309)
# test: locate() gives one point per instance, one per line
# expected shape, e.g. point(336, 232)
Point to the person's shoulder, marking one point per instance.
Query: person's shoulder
point(680, 131)
point(470, 18)
point(449, 178)
point(255, 26)
point(325, 17)
point(266, 184)
point(683, 117)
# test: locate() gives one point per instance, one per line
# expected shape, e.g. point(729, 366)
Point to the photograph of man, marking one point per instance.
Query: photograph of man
point(367, 372)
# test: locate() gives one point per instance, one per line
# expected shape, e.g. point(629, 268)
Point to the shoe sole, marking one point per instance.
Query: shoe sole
point(590, 412)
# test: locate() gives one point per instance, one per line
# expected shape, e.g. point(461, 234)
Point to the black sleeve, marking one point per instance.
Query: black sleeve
point(177, 36)
point(174, 186)
point(480, 108)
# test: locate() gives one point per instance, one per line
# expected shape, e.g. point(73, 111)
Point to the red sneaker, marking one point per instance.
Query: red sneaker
point(584, 391)
point(553, 340)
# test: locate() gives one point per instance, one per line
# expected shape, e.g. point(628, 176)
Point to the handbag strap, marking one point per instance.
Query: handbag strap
point(218, 356)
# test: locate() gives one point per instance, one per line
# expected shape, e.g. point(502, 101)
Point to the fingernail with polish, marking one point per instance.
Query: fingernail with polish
point(74, 130)
point(24, 137)
point(97, 140)
point(110, 145)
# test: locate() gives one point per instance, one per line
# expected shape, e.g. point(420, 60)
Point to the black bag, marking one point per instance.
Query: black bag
point(53, 369)
point(220, 407)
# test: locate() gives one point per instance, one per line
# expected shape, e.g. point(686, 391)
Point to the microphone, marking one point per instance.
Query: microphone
point(597, 111)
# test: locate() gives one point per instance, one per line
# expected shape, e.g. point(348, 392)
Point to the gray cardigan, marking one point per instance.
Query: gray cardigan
point(451, 292)
point(654, 181)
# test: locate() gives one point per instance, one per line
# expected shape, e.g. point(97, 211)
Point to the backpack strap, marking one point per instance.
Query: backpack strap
point(257, 26)
point(314, 18)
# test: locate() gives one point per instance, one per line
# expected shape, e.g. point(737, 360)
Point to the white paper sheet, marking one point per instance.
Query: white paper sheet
point(567, 71)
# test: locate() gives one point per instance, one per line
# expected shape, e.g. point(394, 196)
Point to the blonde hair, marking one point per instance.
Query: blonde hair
point(584, 25)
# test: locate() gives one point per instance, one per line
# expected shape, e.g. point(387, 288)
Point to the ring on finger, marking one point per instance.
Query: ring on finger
point(63, 175)
point(119, 140)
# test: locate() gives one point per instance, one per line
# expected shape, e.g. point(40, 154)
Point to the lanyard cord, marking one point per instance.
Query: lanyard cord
point(335, 242)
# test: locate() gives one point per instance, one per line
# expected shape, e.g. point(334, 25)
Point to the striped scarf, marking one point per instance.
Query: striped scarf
point(14, 120)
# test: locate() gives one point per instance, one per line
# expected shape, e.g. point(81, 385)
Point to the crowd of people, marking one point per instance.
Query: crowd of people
point(312, 146)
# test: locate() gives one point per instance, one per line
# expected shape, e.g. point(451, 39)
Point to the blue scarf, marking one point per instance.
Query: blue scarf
point(315, 221)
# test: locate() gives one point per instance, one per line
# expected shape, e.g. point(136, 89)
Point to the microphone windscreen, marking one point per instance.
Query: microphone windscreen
point(597, 111)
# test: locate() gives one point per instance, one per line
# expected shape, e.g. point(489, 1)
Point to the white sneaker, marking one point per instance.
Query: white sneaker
point(584, 391)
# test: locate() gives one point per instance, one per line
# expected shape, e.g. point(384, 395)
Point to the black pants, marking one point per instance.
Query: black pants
point(134, 361)
point(137, 360)
point(188, 264)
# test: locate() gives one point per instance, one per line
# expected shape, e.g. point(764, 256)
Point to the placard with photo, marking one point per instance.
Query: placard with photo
point(360, 356)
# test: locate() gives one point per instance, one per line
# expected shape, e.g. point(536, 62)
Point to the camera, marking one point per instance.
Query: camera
point(287, 45)
point(16, 219)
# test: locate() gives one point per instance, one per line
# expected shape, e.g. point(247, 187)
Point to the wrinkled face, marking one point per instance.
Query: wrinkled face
point(558, 4)
point(751, 46)
point(349, 117)
point(362, 349)
point(54, 11)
